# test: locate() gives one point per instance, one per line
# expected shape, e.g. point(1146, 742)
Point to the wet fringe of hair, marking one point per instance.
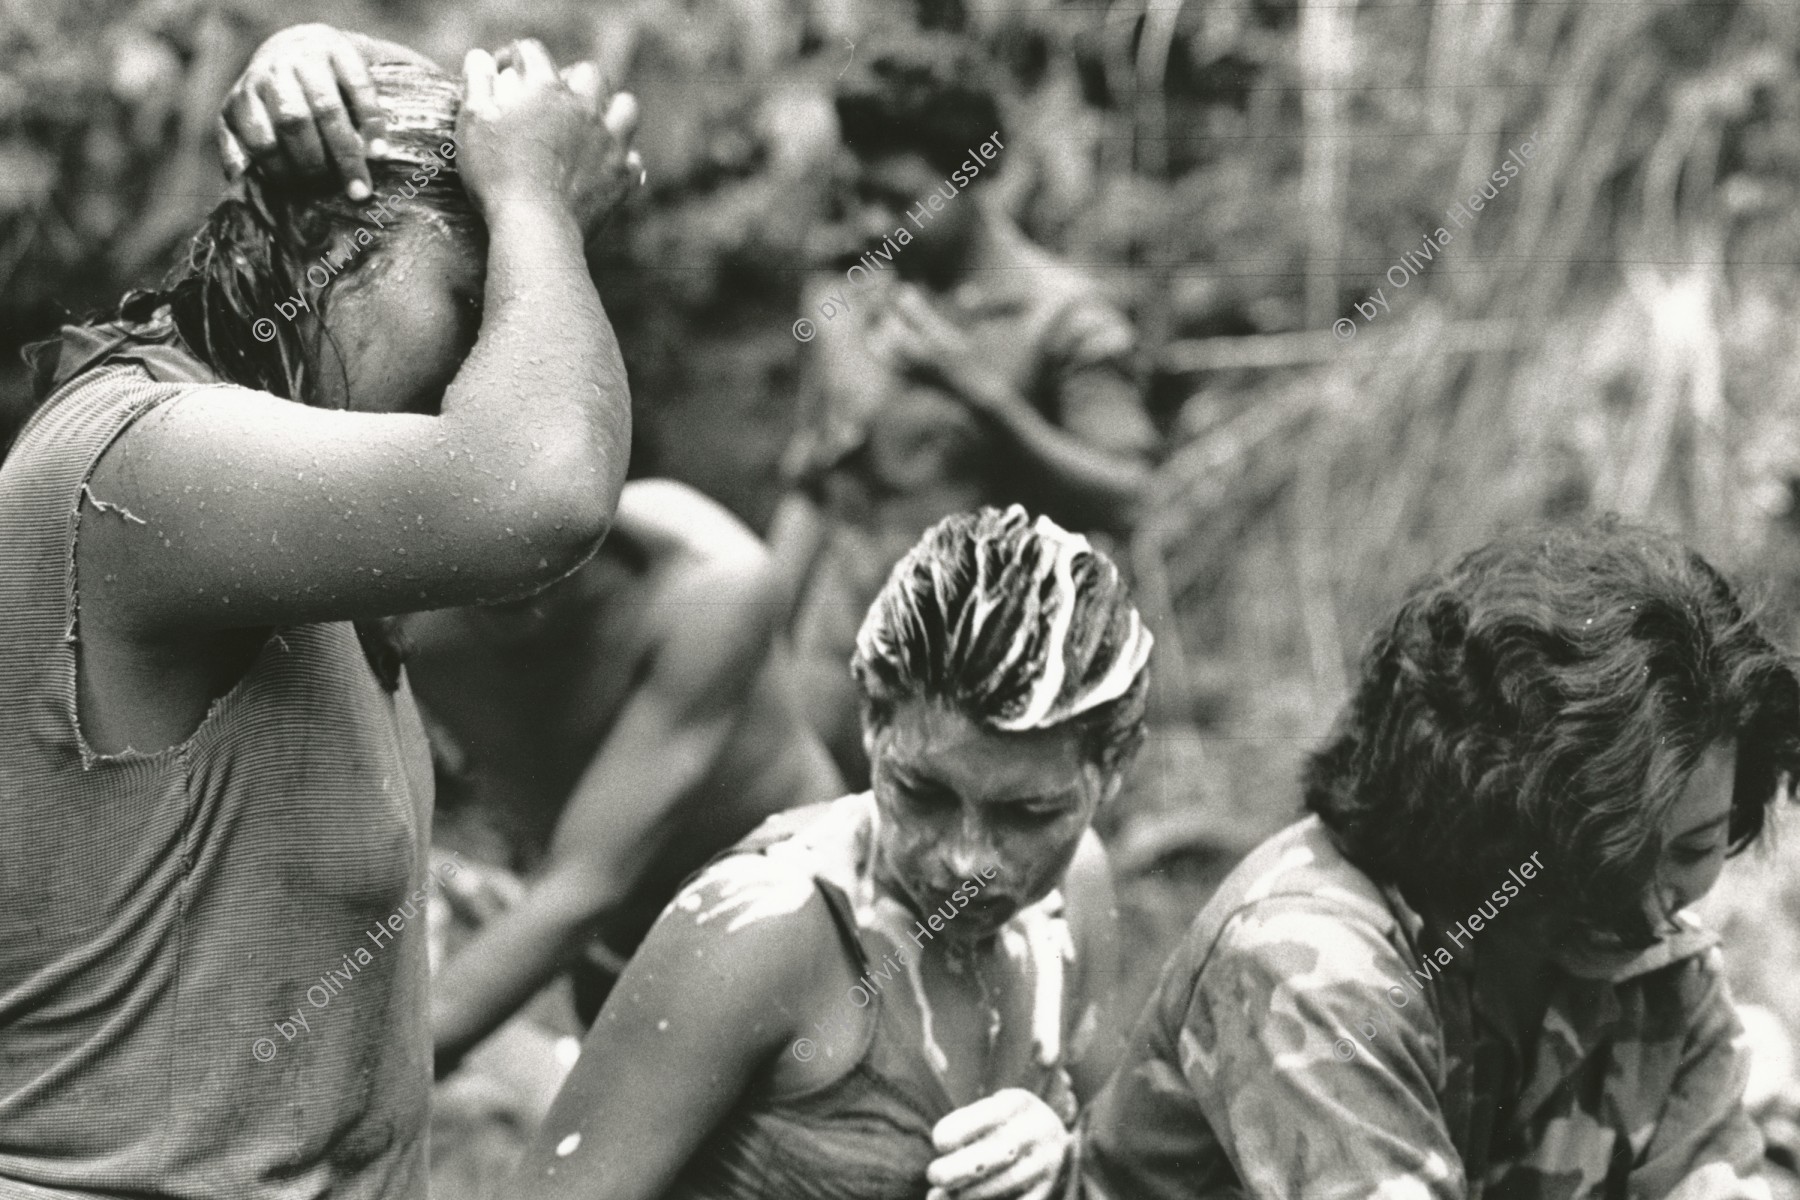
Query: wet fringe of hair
point(235, 272)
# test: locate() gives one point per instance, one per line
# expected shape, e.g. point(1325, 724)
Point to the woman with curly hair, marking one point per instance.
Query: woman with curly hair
point(900, 993)
point(1469, 972)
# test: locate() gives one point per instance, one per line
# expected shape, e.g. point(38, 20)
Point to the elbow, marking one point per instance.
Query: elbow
point(571, 530)
point(563, 519)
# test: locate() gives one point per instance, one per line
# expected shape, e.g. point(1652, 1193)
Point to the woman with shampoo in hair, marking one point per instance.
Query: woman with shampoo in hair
point(903, 993)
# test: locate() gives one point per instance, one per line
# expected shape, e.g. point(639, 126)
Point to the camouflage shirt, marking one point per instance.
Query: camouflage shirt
point(1281, 1058)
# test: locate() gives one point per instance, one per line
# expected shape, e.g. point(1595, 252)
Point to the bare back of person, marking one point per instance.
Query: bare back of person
point(519, 697)
point(618, 729)
point(530, 691)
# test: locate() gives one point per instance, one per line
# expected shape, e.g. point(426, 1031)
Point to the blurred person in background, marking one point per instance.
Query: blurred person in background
point(213, 790)
point(903, 992)
point(617, 731)
point(960, 365)
point(1389, 999)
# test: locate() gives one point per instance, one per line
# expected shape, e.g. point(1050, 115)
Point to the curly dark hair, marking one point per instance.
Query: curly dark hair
point(1553, 692)
point(930, 94)
point(1017, 624)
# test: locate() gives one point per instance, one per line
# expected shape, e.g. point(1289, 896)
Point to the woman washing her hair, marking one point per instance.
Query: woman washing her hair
point(900, 993)
point(209, 800)
point(1469, 972)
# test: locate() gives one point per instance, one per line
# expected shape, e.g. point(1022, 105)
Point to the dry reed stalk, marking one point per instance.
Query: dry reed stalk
point(1326, 48)
point(1313, 571)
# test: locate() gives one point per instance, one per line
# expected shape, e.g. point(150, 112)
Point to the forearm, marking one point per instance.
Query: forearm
point(548, 415)
point(796, 538)
point(1094, 488)
point(505, 965)
point(628, 800)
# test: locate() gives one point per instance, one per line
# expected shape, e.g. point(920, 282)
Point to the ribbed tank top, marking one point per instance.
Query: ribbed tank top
point(865, 1135)
point(163, 915)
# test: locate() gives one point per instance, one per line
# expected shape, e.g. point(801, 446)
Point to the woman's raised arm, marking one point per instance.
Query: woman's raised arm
point(230, 508)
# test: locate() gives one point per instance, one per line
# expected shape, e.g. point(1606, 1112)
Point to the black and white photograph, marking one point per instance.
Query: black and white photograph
point(900, 600)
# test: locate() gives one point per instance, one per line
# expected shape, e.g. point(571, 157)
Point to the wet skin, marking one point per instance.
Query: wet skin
point(394, 335)
point(533, 689)
point(748, 960)
point(396, 331)
point(959, 801)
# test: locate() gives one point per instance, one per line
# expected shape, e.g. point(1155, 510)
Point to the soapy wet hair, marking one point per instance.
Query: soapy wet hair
point(272, 241)
point(1015, 623)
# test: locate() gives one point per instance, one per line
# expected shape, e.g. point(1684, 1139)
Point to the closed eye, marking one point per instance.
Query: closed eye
point(925, 795)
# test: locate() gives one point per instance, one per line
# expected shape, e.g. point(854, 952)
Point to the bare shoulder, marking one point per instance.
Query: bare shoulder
point(702, 558)
point(748, 947)
point(674, 520)
point(764, 921)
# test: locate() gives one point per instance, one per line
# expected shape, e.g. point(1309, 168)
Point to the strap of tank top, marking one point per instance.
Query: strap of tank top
point(843, 915)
